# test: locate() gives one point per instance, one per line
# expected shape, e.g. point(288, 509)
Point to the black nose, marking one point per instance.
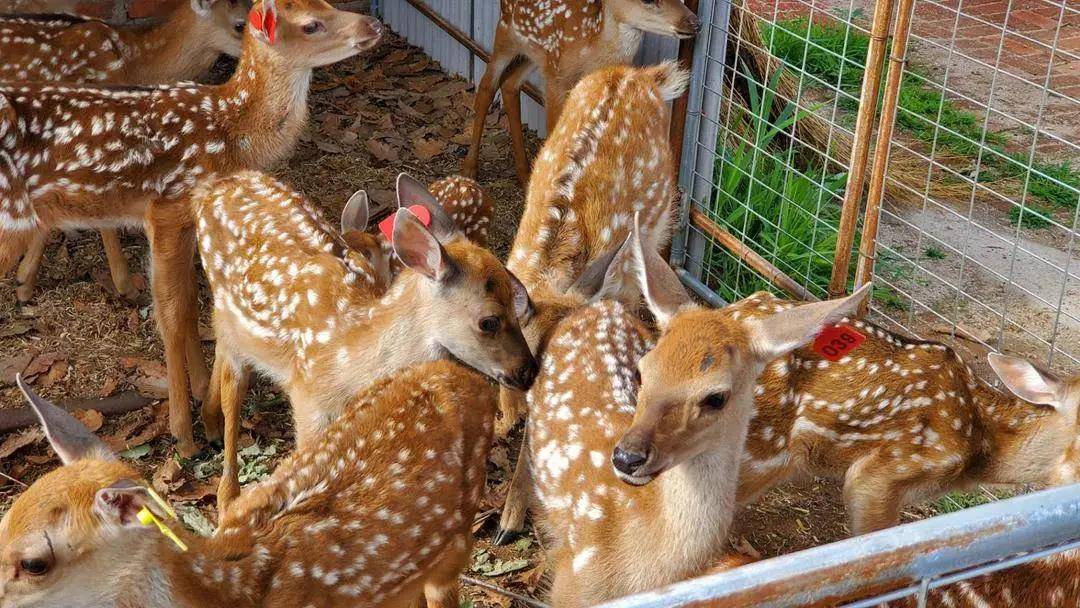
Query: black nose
point(692, 24)
point(526, 374)
point(627, 462)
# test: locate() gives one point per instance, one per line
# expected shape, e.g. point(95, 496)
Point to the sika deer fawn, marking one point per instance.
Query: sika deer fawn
point(463, 200)
point(86, 157)
point(606, 160)
point(653, 507)
point(1052, 581)
point(62, 48)
point(291, 300)
point(375, 512)
point(901, 420)
point(566, 39)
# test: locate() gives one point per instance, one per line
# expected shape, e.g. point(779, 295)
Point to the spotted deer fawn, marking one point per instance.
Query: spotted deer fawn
point(467, 204)
point(901, 420)
point(1052, 581)
point(292, 301)
point(63, 48)
point(86, 157)
point(605, 160)
point(566, 39)
point(635, 451)
point(375, 512)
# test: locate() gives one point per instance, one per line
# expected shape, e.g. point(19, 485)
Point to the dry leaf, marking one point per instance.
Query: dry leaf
point(427, 149)
point(11, 366)
point(41, 364)
point(109, 386)
point(15, 328)
point(168, 477)
point(91, 419)
point(381, 151)
point(57, 372)
point(16, 442)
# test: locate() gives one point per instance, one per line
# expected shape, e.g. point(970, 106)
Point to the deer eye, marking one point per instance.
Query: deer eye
point(714, 402)
point(490, 325)
point(239, 27)
point(637, 376)
point(313, 27)
point(34, 567)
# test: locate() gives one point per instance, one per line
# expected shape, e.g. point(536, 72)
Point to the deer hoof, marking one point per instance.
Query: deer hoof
point(504, 537)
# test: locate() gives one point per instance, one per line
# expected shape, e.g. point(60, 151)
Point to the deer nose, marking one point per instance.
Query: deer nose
point(692, 25)
point(526, 374)
point(627, 462)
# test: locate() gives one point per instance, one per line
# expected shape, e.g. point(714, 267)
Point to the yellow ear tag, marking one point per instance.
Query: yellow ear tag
point(146, 517)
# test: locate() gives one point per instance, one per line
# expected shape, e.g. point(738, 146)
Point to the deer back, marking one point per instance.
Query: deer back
point(606, 159)
point(59, 48)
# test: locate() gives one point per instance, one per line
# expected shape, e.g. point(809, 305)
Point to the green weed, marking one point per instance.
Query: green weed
point(1030, 217)
point(934, 253)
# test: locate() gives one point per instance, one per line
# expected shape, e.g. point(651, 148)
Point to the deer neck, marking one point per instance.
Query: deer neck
point(265, 104)
point(396, 334)
point(623, 39)
point(1017, 442)
point(698, 497)
point(170, 51)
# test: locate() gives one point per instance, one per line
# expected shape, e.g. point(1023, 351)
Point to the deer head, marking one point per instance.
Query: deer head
point(76, 526)
point(697, 384)
point(311, 33)
point(1044, 388)
point(473, 305)
point(223, 23)
point(664, 17)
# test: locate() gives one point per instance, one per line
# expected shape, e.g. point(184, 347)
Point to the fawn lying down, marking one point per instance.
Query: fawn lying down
point(376, 511)
point(901, 420)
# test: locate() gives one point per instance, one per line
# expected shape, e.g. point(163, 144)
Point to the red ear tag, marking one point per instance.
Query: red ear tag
point(255, 20)
point(836, 341)
point(387, 225)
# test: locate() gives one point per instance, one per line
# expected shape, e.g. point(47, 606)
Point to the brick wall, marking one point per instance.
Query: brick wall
point(115, 11)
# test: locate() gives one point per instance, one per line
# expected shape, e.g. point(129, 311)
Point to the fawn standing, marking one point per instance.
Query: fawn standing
point(566, 39)
point(376, 511)
point(86, 157)
point(291, 300)
point(681, 437)
point(901, 420)
point(607, 159)
point(62, 48)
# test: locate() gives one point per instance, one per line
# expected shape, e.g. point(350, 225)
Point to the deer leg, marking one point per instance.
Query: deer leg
point(172, 246)
point(231, 389)
point(118, 264)
point(554, 97)
point(511, 95)
point(30, 266)
point(511, 407)
point(516, 505)
point(441, 587)
point(874, 494)
point(485, 94)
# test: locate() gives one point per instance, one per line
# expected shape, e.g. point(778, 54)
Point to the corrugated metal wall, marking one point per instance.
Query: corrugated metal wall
point(478, 19)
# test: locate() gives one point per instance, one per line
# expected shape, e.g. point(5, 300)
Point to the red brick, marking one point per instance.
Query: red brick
point(97, 9)
point(140, 9)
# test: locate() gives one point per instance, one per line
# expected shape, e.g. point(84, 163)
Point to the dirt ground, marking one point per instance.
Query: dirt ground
point(391, 111)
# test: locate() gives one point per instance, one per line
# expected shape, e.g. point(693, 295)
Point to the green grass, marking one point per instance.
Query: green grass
point(958, 501)
point(1030, 217)
point(934, 253)
point(835, 53)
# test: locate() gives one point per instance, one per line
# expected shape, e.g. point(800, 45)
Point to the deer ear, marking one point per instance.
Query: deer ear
point(419, 249)
point(411, 192)
point(1027, 381)
point(605, 277)
point(119, 504)
point(68, 437)
point(785, 331)
point(661, 287)
point(355, 214)
point(523, 304)
point(263, 20)
point(202, 7)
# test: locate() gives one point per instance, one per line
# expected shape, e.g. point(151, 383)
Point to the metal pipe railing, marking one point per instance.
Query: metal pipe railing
point(884, 561)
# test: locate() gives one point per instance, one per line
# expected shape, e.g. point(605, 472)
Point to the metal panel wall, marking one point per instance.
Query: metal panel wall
point(478, 18)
